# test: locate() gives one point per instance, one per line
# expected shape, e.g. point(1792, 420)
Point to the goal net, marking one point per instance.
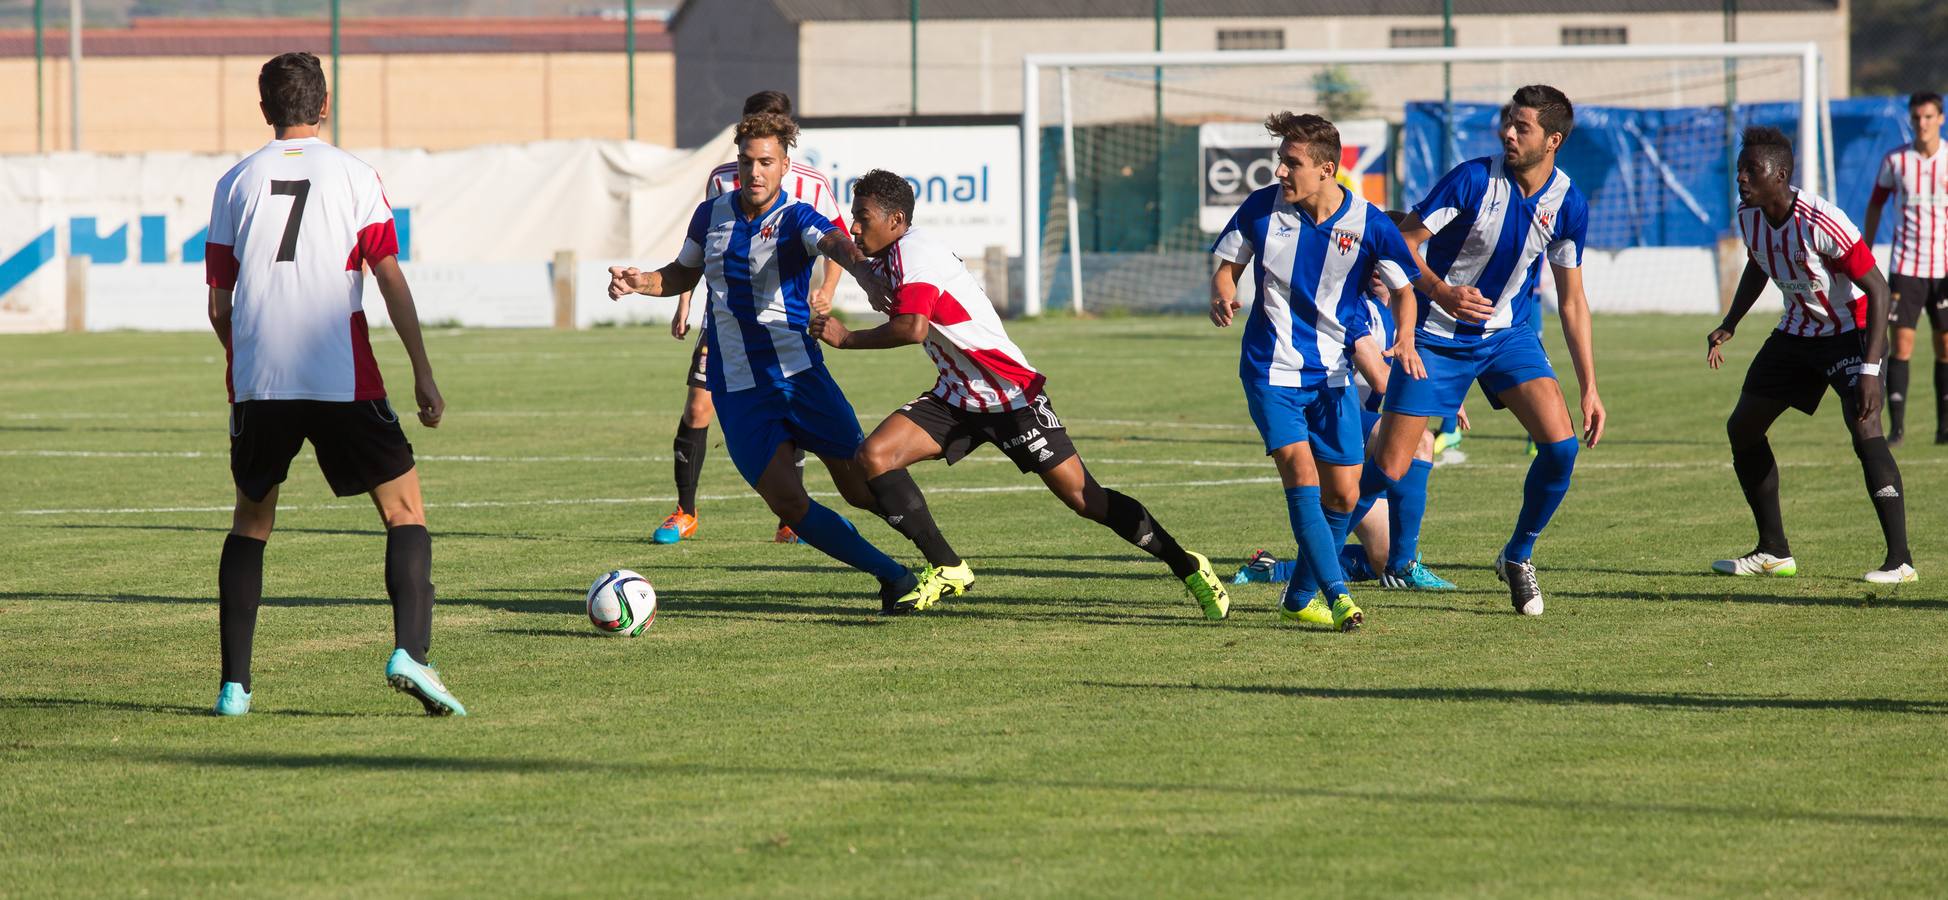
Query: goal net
point(1134, 162)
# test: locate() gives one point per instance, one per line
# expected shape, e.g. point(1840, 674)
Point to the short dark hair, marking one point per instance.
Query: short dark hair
point(292, 88)
point(1553, 111)
point(1768, 145)
point(772, 125)
point(1320, 137)
point(890, 192)
point(768, 102)
point(1919, 97)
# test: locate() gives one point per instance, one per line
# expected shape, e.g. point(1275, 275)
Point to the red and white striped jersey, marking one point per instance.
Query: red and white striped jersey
point(1813, 257)
point(980, 369)
point(803, 182)
point(290, 229)
point(1919, 186)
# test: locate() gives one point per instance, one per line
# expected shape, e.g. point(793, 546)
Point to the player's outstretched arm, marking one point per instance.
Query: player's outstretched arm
point(899, 331)
point(405, 321)
point(838, 247)
point(668, 281)
point(1574, 307)
point(1464, 302)
point(1749, 285)
point(1224, 292)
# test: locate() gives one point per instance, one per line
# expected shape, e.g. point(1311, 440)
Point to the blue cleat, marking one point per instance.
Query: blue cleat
point(233, 700)
point(409, 677)
point(1415, 577)
point(1257, 569)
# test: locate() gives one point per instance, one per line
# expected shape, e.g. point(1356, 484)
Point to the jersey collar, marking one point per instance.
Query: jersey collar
point(1345, 203)
point(737, 206)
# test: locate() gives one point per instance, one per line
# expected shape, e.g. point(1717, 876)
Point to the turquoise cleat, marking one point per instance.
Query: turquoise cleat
point(233, 700)
point(409, 677)
point(1415, 577)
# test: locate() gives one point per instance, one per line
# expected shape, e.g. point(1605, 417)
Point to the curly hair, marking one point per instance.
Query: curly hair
point(769, 125)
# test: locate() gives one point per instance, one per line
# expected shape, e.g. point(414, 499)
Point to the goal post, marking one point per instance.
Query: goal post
point(1135, 118)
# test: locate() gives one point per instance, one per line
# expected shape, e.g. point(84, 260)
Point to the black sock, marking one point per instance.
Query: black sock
point(1884, 488)
point(240, 589)
point(1897, 370)
point(1758, 476)
point(689, 448)
point(905, 509)
point(1941, 398)
point(409, 582)
point(1132, 523)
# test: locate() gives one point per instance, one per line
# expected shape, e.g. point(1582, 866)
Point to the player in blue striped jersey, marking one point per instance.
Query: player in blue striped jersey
point(1481, 236)
point(1312, 247)
point(754, 248)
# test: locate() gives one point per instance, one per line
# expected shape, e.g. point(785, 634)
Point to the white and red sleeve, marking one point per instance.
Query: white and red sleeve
point(219, 246)
point(377, 237)
point(1835, 239)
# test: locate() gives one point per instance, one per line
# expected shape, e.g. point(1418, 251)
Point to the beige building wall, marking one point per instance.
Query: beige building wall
point(435, 101)
point(974, 66)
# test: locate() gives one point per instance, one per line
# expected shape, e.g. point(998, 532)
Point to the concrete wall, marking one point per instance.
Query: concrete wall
point(731, 50)
point(974, 66)
point(435, 101)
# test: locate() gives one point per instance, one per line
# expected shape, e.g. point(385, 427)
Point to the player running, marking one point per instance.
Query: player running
point(1312, 248)
point(755, 248)
point(693, 429)
point(987, 393)
point(1916, 176)
point(1480, 237)
point(292, 228)
point(1830, 336)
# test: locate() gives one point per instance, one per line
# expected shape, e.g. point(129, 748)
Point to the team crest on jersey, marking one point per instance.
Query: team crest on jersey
point(1345, 240)
point(1545, 218)
point(766, 232)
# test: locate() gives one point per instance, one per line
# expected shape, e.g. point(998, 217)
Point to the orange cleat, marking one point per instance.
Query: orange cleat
point(678, 526)
point(785, 536)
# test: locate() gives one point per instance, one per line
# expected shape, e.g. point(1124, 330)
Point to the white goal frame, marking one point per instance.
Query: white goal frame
point(1815, 126)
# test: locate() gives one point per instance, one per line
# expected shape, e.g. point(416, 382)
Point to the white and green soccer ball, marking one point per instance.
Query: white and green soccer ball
point(621, 603)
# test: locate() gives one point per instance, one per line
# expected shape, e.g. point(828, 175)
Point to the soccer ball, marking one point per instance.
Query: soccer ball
point(621, 603)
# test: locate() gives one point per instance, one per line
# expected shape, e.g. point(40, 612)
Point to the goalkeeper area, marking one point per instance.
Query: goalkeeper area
point(1133, 162)
point(1071, 727)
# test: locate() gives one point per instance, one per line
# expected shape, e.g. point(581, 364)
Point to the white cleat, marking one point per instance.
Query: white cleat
point(1523, 592)
point(1757, 563)
point(1901, 574)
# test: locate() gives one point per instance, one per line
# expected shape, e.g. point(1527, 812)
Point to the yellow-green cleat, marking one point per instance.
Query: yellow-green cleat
point(936, 583)
point(1206, 589)
point(1314, 612)
point(1346, 616)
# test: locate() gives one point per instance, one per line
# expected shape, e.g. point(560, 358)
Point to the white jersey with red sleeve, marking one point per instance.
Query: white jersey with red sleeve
point(803, 181)
point(1813, 257)
point(980, 369)
point(290, 230)
point(1919, 186)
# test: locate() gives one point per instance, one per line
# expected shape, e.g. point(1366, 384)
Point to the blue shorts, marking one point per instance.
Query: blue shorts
point(1511, 357)
point(1328, 417)
point(807, 410)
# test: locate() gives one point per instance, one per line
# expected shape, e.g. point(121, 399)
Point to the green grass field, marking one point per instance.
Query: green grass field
point(1071, 727)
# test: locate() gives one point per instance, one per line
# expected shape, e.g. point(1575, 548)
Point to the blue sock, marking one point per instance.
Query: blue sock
point(1406, 505)
point(1450, 425)
point(1548, 481)
point(1282, 571)
point(1353, 562)
point(1341, 524)
point(1360, 509)
point(833, 536)
point(1317, 556)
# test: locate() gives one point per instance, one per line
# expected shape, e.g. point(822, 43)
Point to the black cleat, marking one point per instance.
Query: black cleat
point(892, 595)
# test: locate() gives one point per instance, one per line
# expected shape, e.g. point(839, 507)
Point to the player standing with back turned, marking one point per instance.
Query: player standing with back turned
point(292, 227)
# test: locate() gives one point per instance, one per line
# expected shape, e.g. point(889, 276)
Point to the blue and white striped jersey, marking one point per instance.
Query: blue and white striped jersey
point(758, 271)
point(1486, 234)
point(1381, 326)
point(1309, 277)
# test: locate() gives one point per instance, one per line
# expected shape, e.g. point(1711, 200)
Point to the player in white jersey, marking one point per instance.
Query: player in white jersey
point(693, 429)
point(1915, 175)
point(291, 229)
point(987, 393)
point(1829, 337)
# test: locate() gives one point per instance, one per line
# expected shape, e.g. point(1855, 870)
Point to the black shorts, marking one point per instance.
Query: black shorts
point(1798, 370)
point(699, 358)
point(359, 443)
point(1031, 436)
point(1911, 295)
